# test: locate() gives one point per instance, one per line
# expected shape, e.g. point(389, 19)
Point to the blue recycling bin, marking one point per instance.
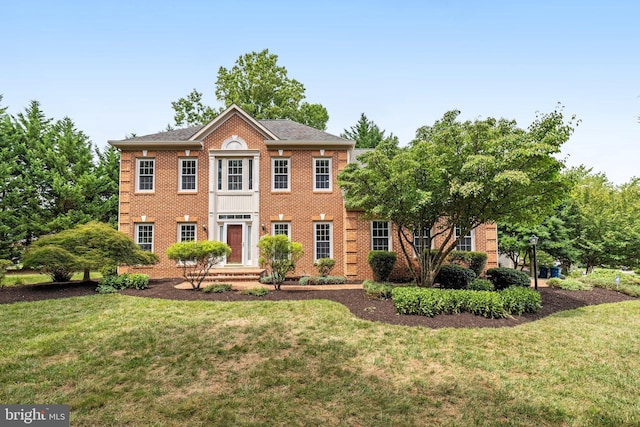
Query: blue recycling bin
point(555, 271)
point(544, 272)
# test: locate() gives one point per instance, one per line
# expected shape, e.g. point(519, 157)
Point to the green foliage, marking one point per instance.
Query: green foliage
point(279, 256)
point(470, 259)
point(197, 258)
point(455, 277)
point(256, 292)
point(217, 288)
point(322, 280)
point(4, 264)
point(258, 85)
point(459, 174)
point(432, 302)
point(503, 278)
point(125, 281)
point(324, 266)
point(378, 290)
point(478, 284)
point(382, 263)
point(52, 260)
point(568, 284)
point(86, 247)
point(366, 134)
point(106, 289)
point(605, 278)
point(109, 270)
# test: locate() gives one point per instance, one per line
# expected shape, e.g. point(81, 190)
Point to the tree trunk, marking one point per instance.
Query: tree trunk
point(86, 277)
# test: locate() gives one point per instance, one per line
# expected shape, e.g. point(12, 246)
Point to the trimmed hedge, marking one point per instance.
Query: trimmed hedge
point(319, 280)
point(503, 277)
point(480, 285)
point(454, 277)
point(382, 263)
point(431, 302)
point(473, 260)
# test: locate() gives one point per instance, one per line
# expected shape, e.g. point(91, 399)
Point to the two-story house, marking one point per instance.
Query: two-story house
point(236, 179)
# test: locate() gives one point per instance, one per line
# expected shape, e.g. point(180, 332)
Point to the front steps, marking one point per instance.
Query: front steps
point(234, 274)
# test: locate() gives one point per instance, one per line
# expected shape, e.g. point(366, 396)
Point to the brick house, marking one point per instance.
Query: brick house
point(236, 179)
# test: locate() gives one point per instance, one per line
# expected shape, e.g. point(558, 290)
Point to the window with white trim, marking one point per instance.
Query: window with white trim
point(380, 236)
point(322, 174)
point(145, 171)
point(465, 243)
point(187, 232)
point(188, 174)
point(234, 174)
point(280, 174)
point(322, 240)
point(419, 237)
point(281, 228)
point(144, 236)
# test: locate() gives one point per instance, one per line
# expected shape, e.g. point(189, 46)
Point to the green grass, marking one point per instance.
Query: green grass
point(30, 279)
point(605, 278)
point(120, 360)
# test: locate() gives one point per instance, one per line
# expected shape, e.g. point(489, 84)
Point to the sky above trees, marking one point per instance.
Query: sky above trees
point(115, 67)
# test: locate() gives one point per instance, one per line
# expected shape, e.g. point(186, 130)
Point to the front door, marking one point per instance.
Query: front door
point(234, 240)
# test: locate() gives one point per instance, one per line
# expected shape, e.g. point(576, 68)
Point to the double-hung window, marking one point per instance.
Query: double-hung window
point(187, 232)
point(144, 236)
point(421, 238)
point(380, 236)
point(280, 174)
point(234, 174)
point(188, 173)
point(322, 239)
point(466, 242)
point(145, 169)
point(281, 228)
point(322, 174)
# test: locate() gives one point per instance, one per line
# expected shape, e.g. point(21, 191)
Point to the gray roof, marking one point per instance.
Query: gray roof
point(286, 130)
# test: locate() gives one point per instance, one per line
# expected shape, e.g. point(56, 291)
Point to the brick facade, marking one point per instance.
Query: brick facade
point(215, 211)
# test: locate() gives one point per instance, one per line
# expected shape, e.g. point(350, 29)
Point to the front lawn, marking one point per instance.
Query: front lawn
point(11, 279)
point(121, 360)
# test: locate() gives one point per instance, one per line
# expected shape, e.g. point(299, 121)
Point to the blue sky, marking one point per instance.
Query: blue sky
point(114, 67)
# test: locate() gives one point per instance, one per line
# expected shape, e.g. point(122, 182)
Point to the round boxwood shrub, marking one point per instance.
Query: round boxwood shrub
point(480, 285)
point(382, 263)
point(503, 277)
point(455, 277)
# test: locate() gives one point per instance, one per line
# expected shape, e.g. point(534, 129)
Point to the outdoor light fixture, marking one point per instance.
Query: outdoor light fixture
point(262, 226)
point(534, 241)
point(204, 226)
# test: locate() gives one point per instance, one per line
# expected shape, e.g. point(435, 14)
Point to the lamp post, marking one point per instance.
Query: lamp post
point(534, 241)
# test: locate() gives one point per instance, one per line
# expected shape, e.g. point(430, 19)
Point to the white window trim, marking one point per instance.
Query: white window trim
point(153, 176)
point(195, 234)
point(153, 233)
point(473, 240)
point(315, 236)
point(180, 164)
point(315, 160)
point(273, 228)
point(388, 237)
point(273, 174)
point(242, 176)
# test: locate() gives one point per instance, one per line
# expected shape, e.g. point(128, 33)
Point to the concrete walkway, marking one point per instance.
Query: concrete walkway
point(239, 286)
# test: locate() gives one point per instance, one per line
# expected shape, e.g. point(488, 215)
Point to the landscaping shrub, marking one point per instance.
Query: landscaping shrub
point(319, 280)
point(217, 288)
point(382, 263)
point(109, 270)
point(324, 266)
point(257, 292)
point(503, 277)
point(568, 284)
point(431, 302)
point(4, 264)
point(454, 277)
point(377, 290)
point(605, 278)
point(470, 259)
point(125, 281)
point(480, 285)
point(105, 289)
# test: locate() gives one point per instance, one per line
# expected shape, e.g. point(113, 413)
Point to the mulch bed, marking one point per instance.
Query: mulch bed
point(553, 300)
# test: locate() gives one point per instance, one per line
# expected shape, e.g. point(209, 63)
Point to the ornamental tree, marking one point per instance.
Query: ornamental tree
point(197, 258)
point(458, 174)
point(279, 256)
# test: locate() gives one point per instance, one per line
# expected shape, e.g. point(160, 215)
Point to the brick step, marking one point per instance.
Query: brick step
point(221, 275)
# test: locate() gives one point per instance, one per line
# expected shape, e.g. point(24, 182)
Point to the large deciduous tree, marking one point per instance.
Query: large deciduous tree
point(259, 86)
point(458, 174)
